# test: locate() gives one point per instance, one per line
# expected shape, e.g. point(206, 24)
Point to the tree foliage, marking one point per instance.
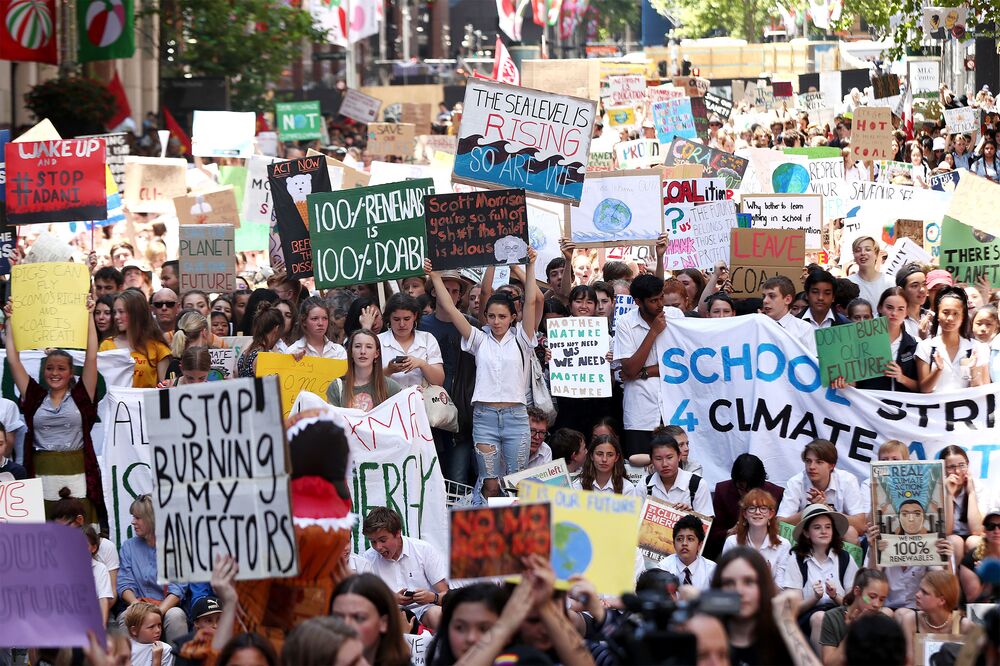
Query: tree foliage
point(75, 105)
point(899, 21)
point(613, 17)
point(745, 19)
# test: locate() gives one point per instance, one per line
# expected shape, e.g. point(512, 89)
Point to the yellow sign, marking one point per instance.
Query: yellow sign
point(50, 305)
point(311, 374)
point(621, 116)
point(582, 522)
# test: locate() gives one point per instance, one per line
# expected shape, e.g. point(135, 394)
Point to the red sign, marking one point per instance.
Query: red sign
point(56, 181)
point(28, 31)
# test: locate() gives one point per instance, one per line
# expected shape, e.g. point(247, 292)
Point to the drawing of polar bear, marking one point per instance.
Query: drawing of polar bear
point(299, 187)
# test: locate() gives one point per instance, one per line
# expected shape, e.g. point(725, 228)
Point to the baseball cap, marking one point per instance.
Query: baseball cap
point(463, 281)
point(939, 277)
point(206, 606)
point(939, 143)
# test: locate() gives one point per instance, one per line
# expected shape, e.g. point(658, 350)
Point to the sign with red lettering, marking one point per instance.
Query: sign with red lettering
point(152, 184)
point(756, 255)
point(21, 501)
point(207, 257)
point(695, 191)
point(492, 542)
point(476, 229)
point(291, 182)
point(56, 181)
point(871, 133)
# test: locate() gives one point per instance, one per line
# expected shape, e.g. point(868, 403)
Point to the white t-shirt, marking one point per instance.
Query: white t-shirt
point(951, 374)
point(424, 347)
point(107, 555)
point(641, 402)
point(102, 580)
point(872, 291)
point(142, 654)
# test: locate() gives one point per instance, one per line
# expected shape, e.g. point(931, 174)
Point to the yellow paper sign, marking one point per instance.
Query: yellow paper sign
point(594, 535)
point(50, 305)
point(311, 374)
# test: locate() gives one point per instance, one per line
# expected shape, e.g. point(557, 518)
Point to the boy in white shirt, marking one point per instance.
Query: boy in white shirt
point(686, 563)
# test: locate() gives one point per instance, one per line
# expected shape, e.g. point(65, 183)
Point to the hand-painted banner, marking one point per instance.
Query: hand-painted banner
point(125, 468)
point(871, 136)
point(673, 118)
point(517, 137)
point(579, 367)
point(56, 181)
point(717, 163)
point(699, 235)
point(746, 385)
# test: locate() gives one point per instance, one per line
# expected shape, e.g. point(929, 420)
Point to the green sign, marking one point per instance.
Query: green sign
point(368, 234)
point(252, 236)
point(968, 253)
point(853, 351)
point(814, 152)
point(786, 530)
point(299, 121)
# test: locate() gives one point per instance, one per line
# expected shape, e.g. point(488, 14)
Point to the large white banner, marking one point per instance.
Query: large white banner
point(744, 384)
point(125, 457)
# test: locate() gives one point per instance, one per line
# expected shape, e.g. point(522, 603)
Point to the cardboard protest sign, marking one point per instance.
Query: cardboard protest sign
point(637, 154)
point(21, 501)
point(476, 229)
point(56, 181)
point(601, 161)
point(885, 85)
point(299, 121)
point(291, 182)
point(621, 116)
point(656, 531)
point(50, 302)
point(902, 252)
point(369, 233)
point(215, 207)
point(719, 105)
point(673, 118)
point(428, 145)
point(947, 181)
point(579, 367)
point(968, 253)
point(756, 255)
point(627, 88)
point(698, 236)
point(489, 542)
point(693, 86)
point(787, 211)
point(581, 523)
point(152, 184)
point(554, 473)
point(223, 133)
point(910, 507)
point(853, 351)
point(614, 209)
point(973, 201)
point(118, 148)
point(49, 592)
point(694, 191)
point(716, 163)
point(360, 107)
point(311, 373)
point(390, 139)
point(207, 257)
point(220, 477)
point(871, 133)
point(417, 114)
point(664, 92)
point(223, 364)
point(495, 151)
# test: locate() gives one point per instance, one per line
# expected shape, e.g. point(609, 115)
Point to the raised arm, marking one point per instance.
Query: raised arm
point(532, 294)
point(660, 249)
point(711, 287)
point(17, 370)
point(223, 574)
point(444, 300)
point(89, 374)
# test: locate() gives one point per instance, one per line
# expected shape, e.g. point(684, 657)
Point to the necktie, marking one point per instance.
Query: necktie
point(687, 576)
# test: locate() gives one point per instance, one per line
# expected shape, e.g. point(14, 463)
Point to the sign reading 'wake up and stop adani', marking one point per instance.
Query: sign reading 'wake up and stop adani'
point(517, 137)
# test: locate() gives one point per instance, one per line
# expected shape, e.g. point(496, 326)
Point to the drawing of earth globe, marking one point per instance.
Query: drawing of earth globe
point(732, 178)
point(790, 178)
point(572, 551)
point(612, 215)
point(536, 237)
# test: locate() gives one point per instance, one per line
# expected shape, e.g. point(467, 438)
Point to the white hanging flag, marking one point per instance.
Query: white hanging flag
point(504, 68)
point(509, 12)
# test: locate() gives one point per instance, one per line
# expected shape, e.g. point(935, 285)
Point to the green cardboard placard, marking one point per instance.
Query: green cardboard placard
point(968, 253)
point(853, 351)
point(299, 121)
point(237, 177)
point(253, 237)
point(368, 234)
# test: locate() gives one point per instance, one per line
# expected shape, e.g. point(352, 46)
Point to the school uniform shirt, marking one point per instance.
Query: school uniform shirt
point(817, 571)
point(330, 349)
point(107, 555)
point(872, 291)
point(419, 567)
point(799, 329)
point(142, 654)
point(628, 488)
point(424, 347)
point(776, 556)
point(903, 585)
point(641, 401)
point(950, 378)
point(701, 570)
point(843, 493)
point(10, 415)
point(501, 365)
point(542, 457)
point(828, 321)
point(680, 492)
point(102, 580)
point(995, 360)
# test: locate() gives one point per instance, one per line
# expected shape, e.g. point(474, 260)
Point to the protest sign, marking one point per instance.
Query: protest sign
point(50, 305)
point(871, 133)
point(236, 178)
point(291, 183)
point(550, 161)
point(621, 116)
point(8, 234)
point(220, 480)
point(756, 255)
point(968, 253)
point(637, 154)
point(554, 473)
point(579, 367)
point(207, 257)
point(693, 86)
point(719, 105)
point(944, 22)
point(973, 201)
point(117, 148)
point(390, 139)
point(257, 190)
point(21, 501)
point(252, 237)
point(627, 88)
point(214, 207)
point(56, 181)
point(360, 107)
point(417, 114)
point(419, 644)
point(48, 248)
point(368, 234)
point(601, 161)
point(698, 236)
point(489, 542)
point(656, 531)
point(623, 305)
point(853, 351)
point(700, 114)
point(223, 133)
point(50, 600)
point(963, 120)
point(890, 171)
point(885, 85)
point(902, 252)
point(782, 89)
point(428, 145)
point(223, 364)
point(664, 92)
point(311, 373)
point(472, 229)
point(152, 184)
point(694, 191)
point(546, 220)
point(716, 163)
point(787, 211)
point(910, 507)
point(298, 121)
point(673, 118)
point(581, 523)
point(947, 181)
point(614, 209)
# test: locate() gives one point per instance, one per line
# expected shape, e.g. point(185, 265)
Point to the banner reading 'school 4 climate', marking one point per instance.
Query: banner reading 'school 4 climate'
point(518, 137)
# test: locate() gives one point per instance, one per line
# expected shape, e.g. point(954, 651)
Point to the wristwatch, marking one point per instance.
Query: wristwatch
point(643, 374)
point(437, 598)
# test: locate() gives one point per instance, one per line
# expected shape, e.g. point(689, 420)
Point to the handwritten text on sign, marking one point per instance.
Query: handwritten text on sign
point(854, 352)
point(220, 479)
point(50, 305)
point(56, 181)
point(579, 367)
point(871, 136)
point(756, 255)
point(311, 373)
point(477, 229)
point(22, 502)
point(207, 257)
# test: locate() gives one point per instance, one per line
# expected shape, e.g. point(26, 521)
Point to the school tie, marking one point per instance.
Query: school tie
point(687, 576)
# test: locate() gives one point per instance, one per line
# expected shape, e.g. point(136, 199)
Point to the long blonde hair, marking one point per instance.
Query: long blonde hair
point(189, 326)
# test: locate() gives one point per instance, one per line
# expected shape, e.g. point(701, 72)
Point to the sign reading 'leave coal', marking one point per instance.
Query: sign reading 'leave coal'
point(477, 229)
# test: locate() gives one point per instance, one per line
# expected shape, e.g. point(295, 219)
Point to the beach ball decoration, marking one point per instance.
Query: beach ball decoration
point(29, 23)
point(105, 21)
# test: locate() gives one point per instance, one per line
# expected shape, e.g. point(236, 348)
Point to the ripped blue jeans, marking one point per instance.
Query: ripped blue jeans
point(501, 439)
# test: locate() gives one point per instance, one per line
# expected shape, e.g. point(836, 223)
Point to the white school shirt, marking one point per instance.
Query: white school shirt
point(107, 555)
point(424, 347)
point(419, 567)
point(628, 488)
point(542, 457)
point(501, 365)
point(872, 291)
point(330, 349)
point(641, 402)
point(827, 322)
point(827, 571)
point(679, 493)
point(102, 580)
point(776, 556)
point(951, 374)
point(800, 330)
point(701, 570)
point(843, 493)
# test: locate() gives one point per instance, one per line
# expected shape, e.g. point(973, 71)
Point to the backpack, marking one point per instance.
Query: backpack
point(843, 559)
point(692, 486)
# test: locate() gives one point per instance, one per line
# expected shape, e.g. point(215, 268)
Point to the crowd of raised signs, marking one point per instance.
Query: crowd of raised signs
point(527, 385)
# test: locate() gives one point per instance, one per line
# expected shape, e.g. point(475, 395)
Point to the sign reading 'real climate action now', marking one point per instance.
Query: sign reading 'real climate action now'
point(517, 137)
point(56, 181)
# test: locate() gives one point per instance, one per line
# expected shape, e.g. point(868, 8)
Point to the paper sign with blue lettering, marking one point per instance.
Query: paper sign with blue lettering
point(673, 118)
point(518, 137)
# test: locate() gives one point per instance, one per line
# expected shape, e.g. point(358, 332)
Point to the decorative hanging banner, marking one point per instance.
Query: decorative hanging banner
point(105, 30)
point(756, 255)
point(468, 230)
point(910, 507)
point(299, 121)
point(56, 181)
point(207, 257)
point(50, 302)
point(28, 31)
point(579, 367)
point(291, 183)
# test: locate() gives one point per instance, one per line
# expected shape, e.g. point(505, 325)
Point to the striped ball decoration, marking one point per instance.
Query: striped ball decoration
point(29, 23)
point(105, 21)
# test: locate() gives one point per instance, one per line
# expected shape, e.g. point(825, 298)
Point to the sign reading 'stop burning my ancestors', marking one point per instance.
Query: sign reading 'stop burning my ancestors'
point(513, 137)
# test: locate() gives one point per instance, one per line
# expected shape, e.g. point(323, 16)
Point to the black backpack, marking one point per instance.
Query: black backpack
point(692, 486)
point(843, 560)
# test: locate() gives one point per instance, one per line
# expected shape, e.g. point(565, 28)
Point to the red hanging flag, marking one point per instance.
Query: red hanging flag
point(177, 131)
point(28, 31)
point(504, 68)
point(123, 108)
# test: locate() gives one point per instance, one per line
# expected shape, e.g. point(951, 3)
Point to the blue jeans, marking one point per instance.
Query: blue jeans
point(501, 438)
point(455, 455)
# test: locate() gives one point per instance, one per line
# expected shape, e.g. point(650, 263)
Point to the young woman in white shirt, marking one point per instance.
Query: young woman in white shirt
point(870, 281)
point(951, 358)
point(409, 356)
point(757, 528)
point(604, 468)
point(314, 322)
point(499, 416)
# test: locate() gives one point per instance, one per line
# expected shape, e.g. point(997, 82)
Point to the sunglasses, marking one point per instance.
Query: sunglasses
point(164, 304)
point(989, 527)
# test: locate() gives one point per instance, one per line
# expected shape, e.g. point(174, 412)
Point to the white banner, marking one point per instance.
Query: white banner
point(125, 457)
point(744, 384)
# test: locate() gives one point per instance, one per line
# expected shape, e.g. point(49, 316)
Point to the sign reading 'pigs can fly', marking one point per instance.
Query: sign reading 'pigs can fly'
point(56, 181)
point(513, 137)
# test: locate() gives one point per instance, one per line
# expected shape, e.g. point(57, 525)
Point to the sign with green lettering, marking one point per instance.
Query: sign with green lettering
point(368, 234)
point(855, 352)
point(299, 121)
point(969, 253)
